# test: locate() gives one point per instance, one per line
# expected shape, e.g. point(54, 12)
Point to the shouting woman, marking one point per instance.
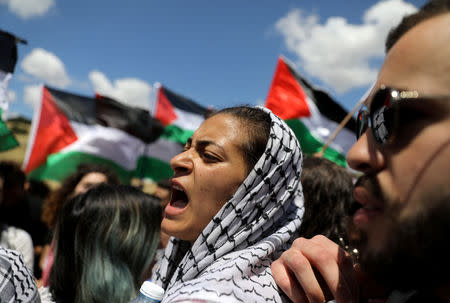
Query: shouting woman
point(236, 204)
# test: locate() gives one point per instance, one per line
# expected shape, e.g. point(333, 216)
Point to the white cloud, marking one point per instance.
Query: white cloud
point(12, 96)
point(26, 9)
point(337, 52)
point(47, 67)
point(32, 94)
point(131, 91)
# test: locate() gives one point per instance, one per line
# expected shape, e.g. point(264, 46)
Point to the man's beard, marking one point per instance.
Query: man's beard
point(414, 253)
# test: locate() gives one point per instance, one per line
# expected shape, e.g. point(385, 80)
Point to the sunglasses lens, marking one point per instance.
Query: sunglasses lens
point(382, 116)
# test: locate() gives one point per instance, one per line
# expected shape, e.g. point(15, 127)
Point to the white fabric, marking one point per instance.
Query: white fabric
point(187, 120)
point(322, 128)
point(230, 260)
point(46, 296)
point(5, 78)
point(18, 240)
point(96, 139)
point(122, 148)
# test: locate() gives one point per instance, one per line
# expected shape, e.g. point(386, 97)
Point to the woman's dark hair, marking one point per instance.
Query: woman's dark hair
point(328, 196)
point(105, 241)
point(54, 203)
point(256, 122)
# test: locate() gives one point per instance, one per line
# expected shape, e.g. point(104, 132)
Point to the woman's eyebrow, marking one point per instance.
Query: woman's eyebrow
point(204, 143)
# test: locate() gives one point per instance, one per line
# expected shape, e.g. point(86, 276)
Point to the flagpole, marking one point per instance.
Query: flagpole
point(340, 126)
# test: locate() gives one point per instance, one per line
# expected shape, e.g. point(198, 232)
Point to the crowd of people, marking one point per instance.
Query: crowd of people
point(247, 218)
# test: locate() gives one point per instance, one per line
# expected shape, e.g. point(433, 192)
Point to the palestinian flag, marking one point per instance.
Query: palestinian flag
point(311, 113)
point(180, 116)
point(68, 130)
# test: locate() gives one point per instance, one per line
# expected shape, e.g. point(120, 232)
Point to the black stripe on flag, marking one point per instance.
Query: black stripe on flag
point(8, 52)
point(326, 105)
point(184, 103)
point(108, 112)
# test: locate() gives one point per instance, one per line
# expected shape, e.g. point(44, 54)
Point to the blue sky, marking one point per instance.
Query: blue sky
point(218, 53)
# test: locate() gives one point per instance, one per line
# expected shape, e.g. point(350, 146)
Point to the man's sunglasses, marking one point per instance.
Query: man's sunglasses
point(383, 115)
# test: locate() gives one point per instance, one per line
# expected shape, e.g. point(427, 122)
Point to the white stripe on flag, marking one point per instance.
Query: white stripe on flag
point(118, 146)
point(321, 128)
point(163, 149)
point(106, 142)
point(187, 121)
point(34, 127)
point(4, 83)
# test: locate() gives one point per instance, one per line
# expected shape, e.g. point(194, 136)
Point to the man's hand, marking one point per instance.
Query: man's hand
point(316, 270)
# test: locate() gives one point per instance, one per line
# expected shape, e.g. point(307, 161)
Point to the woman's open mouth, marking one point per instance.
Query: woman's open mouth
point(178, 201)
point(178, 198)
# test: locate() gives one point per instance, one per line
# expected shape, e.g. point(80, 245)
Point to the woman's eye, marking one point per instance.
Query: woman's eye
point(209, 156)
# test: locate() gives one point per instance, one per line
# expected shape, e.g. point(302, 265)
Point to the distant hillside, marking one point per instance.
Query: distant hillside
point(20, 127)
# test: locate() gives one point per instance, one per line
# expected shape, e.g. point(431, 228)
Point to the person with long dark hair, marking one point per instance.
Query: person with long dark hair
point(105, 242)
point(85, 177)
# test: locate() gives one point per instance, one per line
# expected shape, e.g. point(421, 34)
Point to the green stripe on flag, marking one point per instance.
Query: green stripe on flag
point(176, 134)
point(61, 165)
point(154, 169)
point(310, 145)
point(7, 139)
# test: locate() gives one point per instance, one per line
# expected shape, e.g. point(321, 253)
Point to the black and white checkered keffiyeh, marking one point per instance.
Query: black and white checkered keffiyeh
point(16, 280)
point(230, 260)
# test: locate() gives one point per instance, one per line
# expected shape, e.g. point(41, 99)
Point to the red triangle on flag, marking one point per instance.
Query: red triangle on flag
point(165, 111)
point(52, 134)
point(286, 98)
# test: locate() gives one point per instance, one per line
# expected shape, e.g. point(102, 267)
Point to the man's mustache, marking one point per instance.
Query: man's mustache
point(370, 183)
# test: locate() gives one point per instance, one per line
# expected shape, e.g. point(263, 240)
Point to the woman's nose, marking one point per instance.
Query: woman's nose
point(182, 162)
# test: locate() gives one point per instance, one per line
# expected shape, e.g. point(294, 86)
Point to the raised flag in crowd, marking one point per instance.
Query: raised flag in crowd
point(8, 60)
point(69, 129)
point(310, 112)
point(180, 116)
